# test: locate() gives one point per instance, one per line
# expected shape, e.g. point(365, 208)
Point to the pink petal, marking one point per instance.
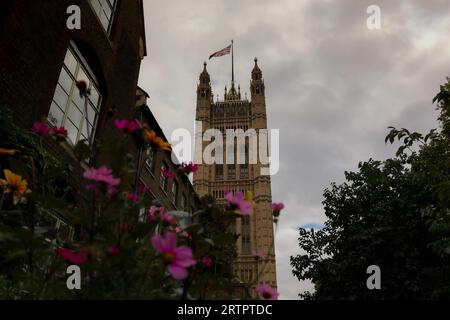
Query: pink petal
point(245, 208)
point(171, 240)
point(177, 272)
point(158, 243)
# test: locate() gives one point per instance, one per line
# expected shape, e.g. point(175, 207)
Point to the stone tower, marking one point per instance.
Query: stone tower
point(238, 170)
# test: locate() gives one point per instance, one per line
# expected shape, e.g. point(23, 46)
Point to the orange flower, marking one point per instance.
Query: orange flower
point(151, 136)
point(7, 151)
point(15, 185)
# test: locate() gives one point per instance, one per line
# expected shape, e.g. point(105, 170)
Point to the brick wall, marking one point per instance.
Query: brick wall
point(33, 42)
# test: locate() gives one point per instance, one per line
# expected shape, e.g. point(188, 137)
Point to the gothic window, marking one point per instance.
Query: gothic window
point(246, 249)
point(231, 172)
point(68, 108)
point(244, 171)
point(219, 172)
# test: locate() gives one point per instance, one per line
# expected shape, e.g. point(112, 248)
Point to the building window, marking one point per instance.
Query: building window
point(231, 172)
point(142, 214)
point(246, 235)
point(174, 192)
point(162, 178)
point(244, 171)
point(150, 160)
point(219, 172)
point(183, 202)
point(68, 108)
point(104, 9)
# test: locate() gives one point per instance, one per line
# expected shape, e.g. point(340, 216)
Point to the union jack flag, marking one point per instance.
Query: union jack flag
point(220, 53)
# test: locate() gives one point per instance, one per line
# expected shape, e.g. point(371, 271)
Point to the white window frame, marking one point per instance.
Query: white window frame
point(98, 8)
point(174, 192)
point(60, 112)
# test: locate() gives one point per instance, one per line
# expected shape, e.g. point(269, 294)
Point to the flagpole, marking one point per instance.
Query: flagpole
point(232, 62)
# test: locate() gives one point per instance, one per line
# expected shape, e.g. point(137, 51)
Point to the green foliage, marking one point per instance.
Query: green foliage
point(111, 230)
point(394, 214)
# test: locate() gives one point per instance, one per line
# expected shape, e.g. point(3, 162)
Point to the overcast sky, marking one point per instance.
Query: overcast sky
point(332, 85)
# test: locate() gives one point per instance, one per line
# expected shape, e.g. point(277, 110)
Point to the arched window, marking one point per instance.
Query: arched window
point(69, 109)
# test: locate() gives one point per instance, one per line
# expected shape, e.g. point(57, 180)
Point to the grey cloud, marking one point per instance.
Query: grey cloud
point(333, 86)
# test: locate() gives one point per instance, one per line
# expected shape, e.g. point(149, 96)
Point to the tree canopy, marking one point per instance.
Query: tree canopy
point(394, 214)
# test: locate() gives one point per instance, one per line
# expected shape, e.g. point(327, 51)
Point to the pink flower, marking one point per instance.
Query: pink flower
point(258, 254)
point(167, 218)
point(179, 231)
point(164, 216)
point(238, 200)
point(104, 176)
point(178, 259)
point(133, 197)
point(192, 166)
point(144, 190)
point(168, 174)
point(127, 126)
point(60, 132)
point(41, 128)
point(277, 206)
point(267, 292)
point(151, 216)
point(207, 262)
point(184, 234)
point(113, 250)
point(72, 256)
point(189, 167)
point(124, 227)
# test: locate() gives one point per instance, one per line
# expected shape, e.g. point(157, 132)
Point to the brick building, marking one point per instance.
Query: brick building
point(175, 194)
point(41, 59)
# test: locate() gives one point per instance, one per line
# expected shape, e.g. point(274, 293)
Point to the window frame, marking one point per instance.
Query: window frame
point(163, 180)
point(246, 235)
point(174, 192)
point(81, 68)
point(150, 152)
point(231, 168)
point(183, 201)
point(111, 18)
point(244, 171)
point(216, 175)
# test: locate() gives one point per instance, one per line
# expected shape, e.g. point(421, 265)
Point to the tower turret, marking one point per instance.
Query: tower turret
point(204, 95)
point(204, 86)
point(257, 82)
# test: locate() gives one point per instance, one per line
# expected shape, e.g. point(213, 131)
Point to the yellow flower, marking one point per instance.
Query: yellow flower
point(151, 136)
point(249, 198)
point(15, 185)
point(7, 151)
